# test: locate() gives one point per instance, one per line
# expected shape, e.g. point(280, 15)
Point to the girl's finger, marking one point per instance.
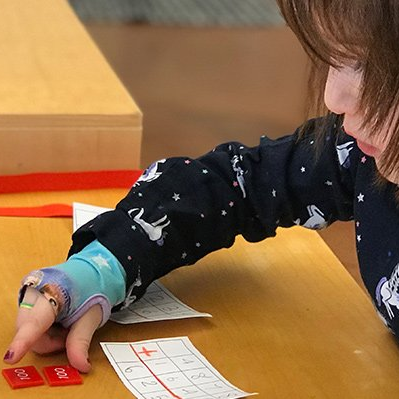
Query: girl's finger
point(35, 317)
point(79, 338)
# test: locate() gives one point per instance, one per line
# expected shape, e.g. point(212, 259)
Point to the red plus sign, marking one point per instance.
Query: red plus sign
point(146, 351)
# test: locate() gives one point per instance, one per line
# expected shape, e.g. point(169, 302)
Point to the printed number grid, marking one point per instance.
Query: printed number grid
point(169, 368)
point(157, 304)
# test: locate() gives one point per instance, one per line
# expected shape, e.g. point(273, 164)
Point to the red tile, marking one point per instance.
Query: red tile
point(22, 377)
point(62, 375)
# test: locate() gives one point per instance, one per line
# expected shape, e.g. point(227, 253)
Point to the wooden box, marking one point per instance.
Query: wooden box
point(62, 108)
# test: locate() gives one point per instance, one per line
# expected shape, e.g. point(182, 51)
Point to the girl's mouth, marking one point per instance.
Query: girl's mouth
point(366, 148)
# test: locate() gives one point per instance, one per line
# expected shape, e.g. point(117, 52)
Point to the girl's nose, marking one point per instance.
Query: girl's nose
point(342, 90)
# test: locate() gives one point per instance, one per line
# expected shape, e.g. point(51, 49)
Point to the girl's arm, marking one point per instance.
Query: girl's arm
point(182, 209)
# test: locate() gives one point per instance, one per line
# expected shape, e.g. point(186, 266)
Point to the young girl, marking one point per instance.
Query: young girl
point(343, 166)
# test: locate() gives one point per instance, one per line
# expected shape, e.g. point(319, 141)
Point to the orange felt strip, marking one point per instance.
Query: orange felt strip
point(50, 210)
point(66, 181)
point(63, 181)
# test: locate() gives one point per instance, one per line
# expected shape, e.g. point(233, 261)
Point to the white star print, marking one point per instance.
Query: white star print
point(303, 169)
point(133, 227)
point(204, 171)
point(140, 194)
point(231, 204)
point(357, 224)
point(359, 237)
point(176, 196)
point(274, 192)
point(360, 197)
point(328, 183)
point(184, 255)
point(187, 162)
point(100, 261)
point(224, 213)
point(197, 244)
point(363, 160)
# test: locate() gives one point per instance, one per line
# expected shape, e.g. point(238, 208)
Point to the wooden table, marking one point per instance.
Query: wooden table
point(288, 321)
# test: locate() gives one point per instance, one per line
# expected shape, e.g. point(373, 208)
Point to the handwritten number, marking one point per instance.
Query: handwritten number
point(130, 369)
point(187, 361)
point(200, 375)
point(145, 383)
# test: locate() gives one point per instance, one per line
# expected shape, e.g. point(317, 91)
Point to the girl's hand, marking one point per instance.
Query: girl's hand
point(35, 331)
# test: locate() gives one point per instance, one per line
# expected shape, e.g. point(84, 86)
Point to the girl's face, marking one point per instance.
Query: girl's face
point(341, 96)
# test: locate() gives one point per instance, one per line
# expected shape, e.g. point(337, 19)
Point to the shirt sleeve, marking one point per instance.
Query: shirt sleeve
point(181, 209)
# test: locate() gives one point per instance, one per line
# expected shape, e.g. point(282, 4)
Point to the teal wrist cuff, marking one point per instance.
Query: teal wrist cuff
point(92, 276)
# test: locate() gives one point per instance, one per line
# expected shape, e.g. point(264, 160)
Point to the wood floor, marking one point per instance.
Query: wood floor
point(200, 87)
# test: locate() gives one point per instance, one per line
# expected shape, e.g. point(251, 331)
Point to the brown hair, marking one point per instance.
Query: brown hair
point(365, 32)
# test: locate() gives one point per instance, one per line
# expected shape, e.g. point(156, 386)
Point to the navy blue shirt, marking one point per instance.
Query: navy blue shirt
point(181, 209)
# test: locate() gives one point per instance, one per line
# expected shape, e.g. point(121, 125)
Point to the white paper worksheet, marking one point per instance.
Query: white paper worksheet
point(83, 213)
point(168, 368)
point(157, 304)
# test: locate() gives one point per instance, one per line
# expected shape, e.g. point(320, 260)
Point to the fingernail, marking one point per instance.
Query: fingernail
point(9, 355)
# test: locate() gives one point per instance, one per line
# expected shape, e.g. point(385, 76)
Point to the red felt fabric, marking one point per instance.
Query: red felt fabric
point(65, 181)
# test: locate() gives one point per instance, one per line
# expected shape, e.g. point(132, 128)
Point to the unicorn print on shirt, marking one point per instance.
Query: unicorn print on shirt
point(239, 173)
point(316, 219)
point(130, 298)
point(150, 174)
point(387, 292)
point(153, 230)
point(343, 151)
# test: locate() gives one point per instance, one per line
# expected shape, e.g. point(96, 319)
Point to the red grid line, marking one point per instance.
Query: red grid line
point(153, 374)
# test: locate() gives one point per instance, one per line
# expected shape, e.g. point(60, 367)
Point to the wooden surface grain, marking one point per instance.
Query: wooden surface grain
point(288, 320)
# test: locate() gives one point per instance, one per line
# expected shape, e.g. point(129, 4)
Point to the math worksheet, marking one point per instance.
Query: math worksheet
point(157, 304)
point(168, 368)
